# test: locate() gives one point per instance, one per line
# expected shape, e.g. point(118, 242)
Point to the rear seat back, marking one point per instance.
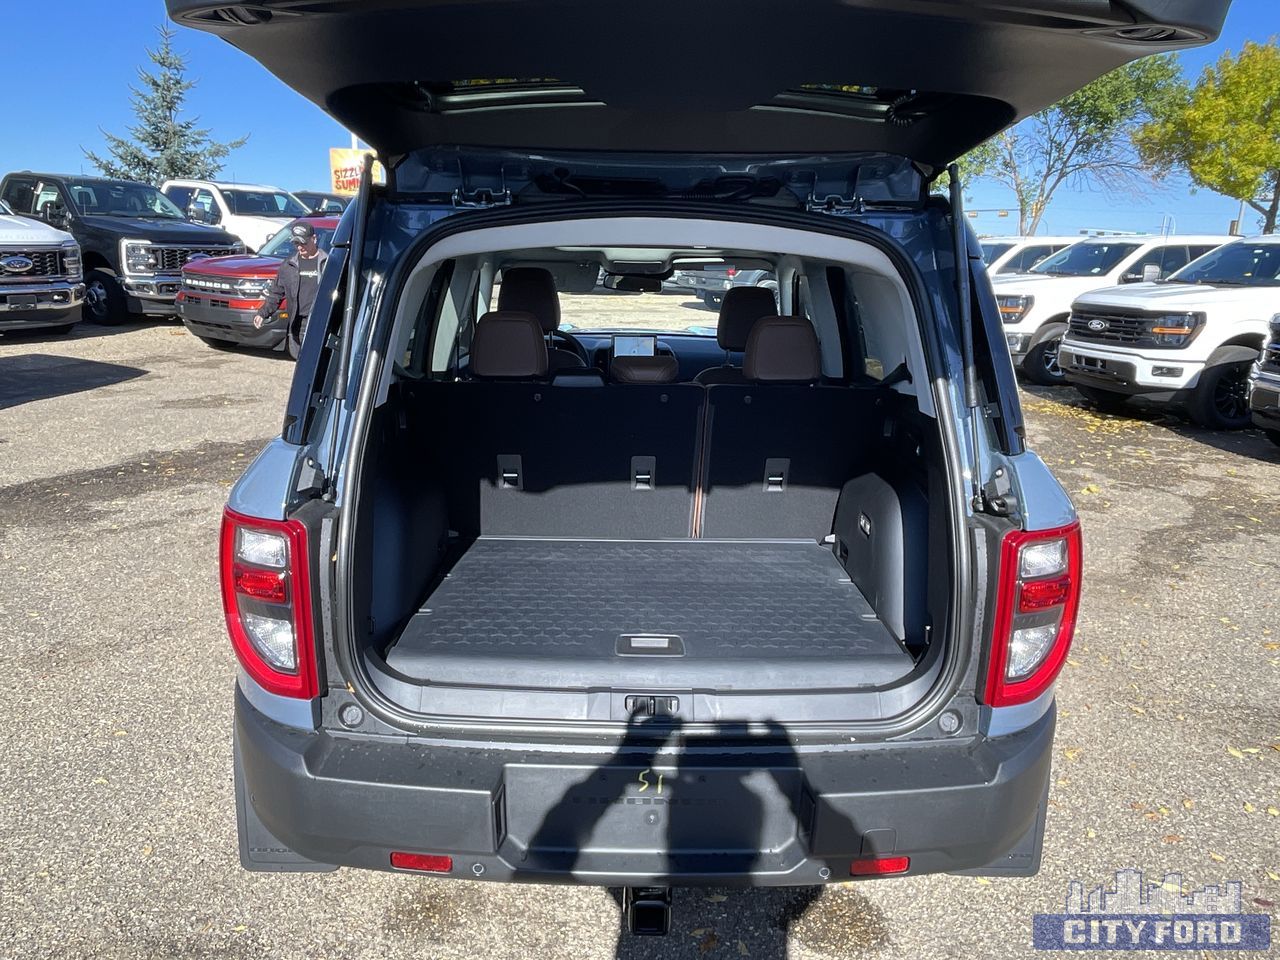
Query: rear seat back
point(543, 460)
point(777, 457)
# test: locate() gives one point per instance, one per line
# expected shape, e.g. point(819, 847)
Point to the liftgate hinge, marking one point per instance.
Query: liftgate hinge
point(997, 495)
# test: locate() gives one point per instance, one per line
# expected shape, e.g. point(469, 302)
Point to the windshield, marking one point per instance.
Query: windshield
point(1086, 259)
point(262, 203)
point(1237, 264)
point(96, 198)
point(280, 246)
point(991, 252)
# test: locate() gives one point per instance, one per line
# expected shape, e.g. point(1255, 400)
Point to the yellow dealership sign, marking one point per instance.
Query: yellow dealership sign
point(344, 170)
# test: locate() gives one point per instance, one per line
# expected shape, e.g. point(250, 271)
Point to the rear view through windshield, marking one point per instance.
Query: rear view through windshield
point(1237, 264)
point(1087, 259)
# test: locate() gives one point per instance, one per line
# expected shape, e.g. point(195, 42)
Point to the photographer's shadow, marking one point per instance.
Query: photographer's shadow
point(668, 809)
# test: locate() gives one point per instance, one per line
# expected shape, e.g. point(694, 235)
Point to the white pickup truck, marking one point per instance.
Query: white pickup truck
point(1189, 340)
point(41, 277)
point(1035, 306)
point(254, 212)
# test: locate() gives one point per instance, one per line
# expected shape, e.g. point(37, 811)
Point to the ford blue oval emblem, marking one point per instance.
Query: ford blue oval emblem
point(1097, 325)
point(16, 264)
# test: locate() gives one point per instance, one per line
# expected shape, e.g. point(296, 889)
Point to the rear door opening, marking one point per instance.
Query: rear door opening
point(751, 521)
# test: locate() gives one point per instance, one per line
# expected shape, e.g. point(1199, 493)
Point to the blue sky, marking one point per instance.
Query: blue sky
point(89, 67)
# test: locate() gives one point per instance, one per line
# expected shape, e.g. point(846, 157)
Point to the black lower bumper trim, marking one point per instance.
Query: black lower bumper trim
point(634, 817)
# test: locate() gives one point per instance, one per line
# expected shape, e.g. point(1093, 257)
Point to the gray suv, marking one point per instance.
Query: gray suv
point(625, 603)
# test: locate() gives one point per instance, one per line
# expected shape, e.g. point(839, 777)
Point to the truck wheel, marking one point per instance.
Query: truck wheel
point(1041, 362)
point(1108, 401)
point(104, 301)
point(1220, 400)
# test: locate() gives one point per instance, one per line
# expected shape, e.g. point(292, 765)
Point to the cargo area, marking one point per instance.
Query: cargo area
point(748, 522)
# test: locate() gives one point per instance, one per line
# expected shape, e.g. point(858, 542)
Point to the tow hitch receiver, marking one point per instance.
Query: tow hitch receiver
point(646, 911)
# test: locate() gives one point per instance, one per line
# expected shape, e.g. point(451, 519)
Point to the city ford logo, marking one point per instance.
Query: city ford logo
point(1097, 325)
point(16, 264)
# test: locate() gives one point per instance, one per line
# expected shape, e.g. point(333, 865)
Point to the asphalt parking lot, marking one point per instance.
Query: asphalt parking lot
point(117, 448)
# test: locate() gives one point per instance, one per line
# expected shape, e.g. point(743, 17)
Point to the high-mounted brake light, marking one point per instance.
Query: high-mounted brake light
point(1035, 616)
point(266, 594)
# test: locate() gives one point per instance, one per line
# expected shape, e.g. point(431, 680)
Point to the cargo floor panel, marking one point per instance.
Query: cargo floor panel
point(728, 615)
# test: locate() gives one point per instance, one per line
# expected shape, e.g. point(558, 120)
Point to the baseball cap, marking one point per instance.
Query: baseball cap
point(302, 232)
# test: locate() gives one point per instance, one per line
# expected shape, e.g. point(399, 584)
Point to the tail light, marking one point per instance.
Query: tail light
point(731, 272)
point(266, 593)
point(1035, 616)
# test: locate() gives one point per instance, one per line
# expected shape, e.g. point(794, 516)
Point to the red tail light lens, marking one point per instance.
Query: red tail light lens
point(879, 866)
point(731, 272)
point(266, 595)
point(1035, 617)
point(424, 862)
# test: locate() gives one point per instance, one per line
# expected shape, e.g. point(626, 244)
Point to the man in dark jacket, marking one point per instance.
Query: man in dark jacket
point(295, 285)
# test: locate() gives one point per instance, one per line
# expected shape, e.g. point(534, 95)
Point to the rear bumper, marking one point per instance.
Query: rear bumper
point(43, 305)
point(234, 326)
point(1169, 378)
point(764, 816)
point(1264, 400)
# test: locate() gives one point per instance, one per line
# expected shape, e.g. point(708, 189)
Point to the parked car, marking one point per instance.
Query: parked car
point(322, 202)
point(1036, 305)
point(516, 604)
point(712, 282)
point(221, 296)
point(41, 279)
point(1264, 385)
point(1191, 339)
point(253, 212)
point(133, 241)
point(1009, 255)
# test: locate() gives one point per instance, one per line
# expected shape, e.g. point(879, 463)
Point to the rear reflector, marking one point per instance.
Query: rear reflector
point(422, 862)
point(1043, 594)
point(879, 866)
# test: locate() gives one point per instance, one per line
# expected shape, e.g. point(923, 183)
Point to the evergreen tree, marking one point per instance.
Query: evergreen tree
point(163, 145)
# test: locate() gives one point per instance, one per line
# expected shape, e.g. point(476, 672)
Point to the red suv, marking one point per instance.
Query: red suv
point(220, 296)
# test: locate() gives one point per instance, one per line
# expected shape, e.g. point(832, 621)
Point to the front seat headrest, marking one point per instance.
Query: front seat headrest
point(531, 290)
point(659, 369)
point(740, 309)
point(508, 345)
point(783, 350)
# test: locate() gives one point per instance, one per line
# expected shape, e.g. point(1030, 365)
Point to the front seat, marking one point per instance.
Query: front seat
point(533, 290)
point(782, 350)
point(508, 345)
point(740, 309)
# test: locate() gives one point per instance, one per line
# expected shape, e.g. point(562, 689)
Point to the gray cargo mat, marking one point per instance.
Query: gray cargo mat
point(725, 615)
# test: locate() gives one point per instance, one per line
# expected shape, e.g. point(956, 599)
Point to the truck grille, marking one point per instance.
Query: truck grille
point(207, 284)
point(45, 264)
point(172, 259)
point(1108, 327)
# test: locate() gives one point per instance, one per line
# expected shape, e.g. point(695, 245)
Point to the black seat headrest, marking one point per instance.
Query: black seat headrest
point(740, 309)
point(783, 350)
point(659, 369)
point(531, 290)
point(508, 345)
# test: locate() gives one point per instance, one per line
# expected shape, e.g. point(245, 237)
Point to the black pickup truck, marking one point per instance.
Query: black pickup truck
point(134, 241)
